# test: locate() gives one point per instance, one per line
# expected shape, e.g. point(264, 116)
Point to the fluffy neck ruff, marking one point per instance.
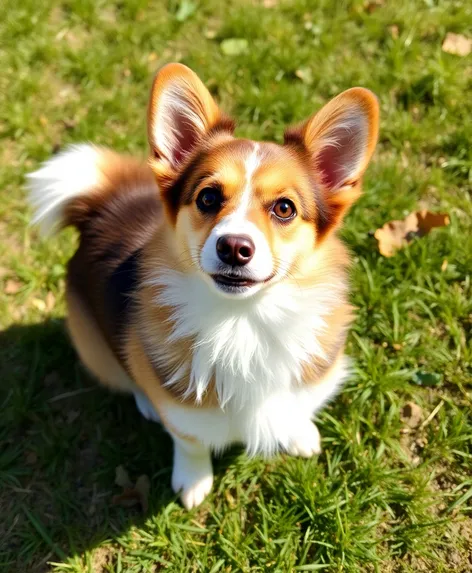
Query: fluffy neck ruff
point(250, 348)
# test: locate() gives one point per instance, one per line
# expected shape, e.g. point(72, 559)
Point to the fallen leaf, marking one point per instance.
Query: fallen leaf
point(457, 44)
point(234, 46)
point(397, 234)
point(422, 378)
point(397, 346)
point(305, 75)
point(411, 414)
point(12, 287)
point(132, 495)
point(269, 3)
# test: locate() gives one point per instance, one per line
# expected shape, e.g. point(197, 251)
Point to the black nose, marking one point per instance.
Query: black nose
point(235, 250)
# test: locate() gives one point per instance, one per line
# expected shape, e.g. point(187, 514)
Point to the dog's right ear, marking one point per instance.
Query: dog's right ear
point(181, 113)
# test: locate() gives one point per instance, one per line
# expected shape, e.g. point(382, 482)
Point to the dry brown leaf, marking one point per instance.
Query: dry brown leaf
point(132, 495)
point(457, 44)
point(397, 234)
point(411, 414)
point(11, 287)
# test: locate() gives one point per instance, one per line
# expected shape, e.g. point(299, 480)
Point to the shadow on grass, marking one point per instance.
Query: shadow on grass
point(61, 439)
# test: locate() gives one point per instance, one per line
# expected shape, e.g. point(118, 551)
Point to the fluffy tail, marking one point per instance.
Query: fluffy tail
point(70, 186)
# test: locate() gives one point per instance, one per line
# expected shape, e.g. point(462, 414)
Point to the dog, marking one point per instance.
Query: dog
point(209, 281)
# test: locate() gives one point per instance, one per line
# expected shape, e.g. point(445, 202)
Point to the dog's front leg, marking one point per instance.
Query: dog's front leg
point(306, 441)
point(192, 474)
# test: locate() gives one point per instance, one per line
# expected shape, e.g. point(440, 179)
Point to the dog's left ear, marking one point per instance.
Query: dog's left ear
point(181, 112)
point(339, 142)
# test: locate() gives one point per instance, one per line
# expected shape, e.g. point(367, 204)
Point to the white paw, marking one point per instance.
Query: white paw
point(192, 476)
point(146, 408)
point(306, 443)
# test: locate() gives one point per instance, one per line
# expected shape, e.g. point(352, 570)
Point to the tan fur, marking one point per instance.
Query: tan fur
point(117, 174)
point(148, 381)
point(92, 347)
point(155, 325)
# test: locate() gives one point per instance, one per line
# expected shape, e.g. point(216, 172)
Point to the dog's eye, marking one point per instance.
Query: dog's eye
point(284, 209)
point(209, 200)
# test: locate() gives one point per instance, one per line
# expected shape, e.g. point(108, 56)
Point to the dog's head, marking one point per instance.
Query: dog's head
point(246, 213)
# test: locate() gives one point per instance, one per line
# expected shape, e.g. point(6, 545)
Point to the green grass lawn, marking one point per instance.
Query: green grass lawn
point(382, 496)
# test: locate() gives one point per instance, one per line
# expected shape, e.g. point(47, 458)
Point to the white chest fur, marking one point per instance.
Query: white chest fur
point(255, 350)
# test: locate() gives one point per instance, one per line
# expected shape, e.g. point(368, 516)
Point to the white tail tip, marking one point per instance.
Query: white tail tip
point(71, 173)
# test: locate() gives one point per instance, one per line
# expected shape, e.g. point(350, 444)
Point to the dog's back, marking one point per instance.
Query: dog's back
point(113, 201)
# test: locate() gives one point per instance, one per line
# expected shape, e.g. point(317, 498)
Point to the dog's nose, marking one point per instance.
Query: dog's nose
point(235, 250)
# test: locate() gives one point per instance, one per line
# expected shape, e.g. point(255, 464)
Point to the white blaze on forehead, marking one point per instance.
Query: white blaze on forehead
point(251, 163)
point(236, 223)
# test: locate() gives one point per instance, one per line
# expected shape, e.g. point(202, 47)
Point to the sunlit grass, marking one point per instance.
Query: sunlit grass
point(380, 497)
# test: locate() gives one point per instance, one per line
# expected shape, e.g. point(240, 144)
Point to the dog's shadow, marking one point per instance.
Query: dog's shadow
point(61, 439)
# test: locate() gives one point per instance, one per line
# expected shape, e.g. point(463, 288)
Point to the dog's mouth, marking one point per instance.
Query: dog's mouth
point(233, 281)
point(236, 283)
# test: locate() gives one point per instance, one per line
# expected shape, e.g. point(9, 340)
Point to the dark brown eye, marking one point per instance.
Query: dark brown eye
point(284, 209)
point(209, 200)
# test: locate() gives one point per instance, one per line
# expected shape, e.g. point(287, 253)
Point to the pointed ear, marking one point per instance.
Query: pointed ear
point(339, 142)
point(181, 112)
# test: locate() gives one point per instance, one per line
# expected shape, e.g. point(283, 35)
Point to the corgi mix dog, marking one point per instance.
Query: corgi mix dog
point(209, 282)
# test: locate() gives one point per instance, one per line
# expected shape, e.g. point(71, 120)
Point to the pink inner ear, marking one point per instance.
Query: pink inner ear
point(340, 157)
point(186, 137)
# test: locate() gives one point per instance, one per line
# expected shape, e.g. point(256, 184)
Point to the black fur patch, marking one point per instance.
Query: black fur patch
point(119, 289)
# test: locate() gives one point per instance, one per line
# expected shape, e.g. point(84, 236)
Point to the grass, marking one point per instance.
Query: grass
point(379, 498)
